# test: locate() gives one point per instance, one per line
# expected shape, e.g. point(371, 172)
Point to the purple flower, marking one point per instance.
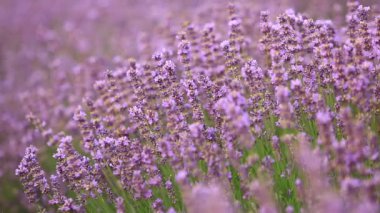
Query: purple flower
point(32, 176)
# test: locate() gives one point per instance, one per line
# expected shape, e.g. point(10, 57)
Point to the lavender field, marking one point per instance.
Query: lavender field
point(190, 106)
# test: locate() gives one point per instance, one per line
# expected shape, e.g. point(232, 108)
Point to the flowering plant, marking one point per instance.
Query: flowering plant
point(248, 113)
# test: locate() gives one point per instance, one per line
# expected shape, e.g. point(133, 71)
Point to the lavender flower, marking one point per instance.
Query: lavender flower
point(231, 110)
point(75, 170)
point(213, 196)
point(32, 176)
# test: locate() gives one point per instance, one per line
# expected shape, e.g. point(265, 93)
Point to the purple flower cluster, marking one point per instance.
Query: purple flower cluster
point(288, 122)
point(32, 176)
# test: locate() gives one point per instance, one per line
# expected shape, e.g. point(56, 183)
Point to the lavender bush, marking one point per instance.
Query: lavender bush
point(241, 106)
